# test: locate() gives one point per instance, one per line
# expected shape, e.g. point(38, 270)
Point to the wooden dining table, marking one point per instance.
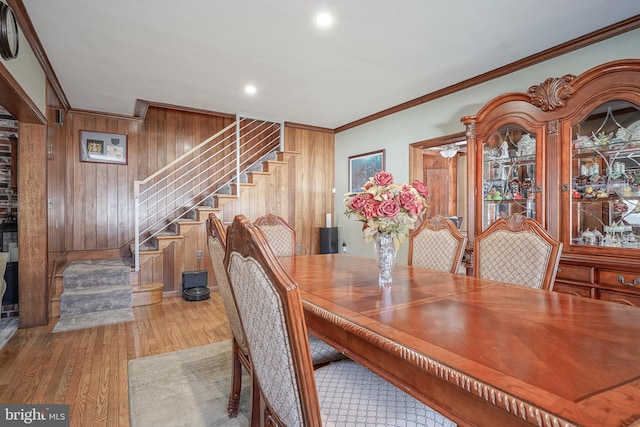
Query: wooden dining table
point(482, 353)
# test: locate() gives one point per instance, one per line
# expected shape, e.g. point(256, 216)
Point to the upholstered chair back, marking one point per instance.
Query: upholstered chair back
point(272, 316)
point(216, 241)
point(280, 235)
point(437, 244)
point(517, 250)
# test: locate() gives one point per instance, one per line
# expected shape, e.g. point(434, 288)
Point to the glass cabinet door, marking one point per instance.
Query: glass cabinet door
point(605, 177)
point(509, 174)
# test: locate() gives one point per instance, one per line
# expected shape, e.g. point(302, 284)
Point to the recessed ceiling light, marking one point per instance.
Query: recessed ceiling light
point(250, 89)
point(324, 19)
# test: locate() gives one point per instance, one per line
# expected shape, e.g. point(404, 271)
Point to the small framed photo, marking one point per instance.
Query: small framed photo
point(364, 166)
point(103, 147)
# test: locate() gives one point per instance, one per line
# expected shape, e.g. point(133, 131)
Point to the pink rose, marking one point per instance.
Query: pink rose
point(410, 202)
point(370, 209)
point(358, 202)
point(420, 188)
point(388, 208)
point(383, 178)
point(406, 198)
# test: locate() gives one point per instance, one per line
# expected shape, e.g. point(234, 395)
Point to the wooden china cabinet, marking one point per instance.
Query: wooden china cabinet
point(567, 153)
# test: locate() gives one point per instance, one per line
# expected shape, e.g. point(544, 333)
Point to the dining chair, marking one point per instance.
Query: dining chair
point(322, 353)
point(280, 235)
point(517, 250)
point(293, 394)
point(437, 244)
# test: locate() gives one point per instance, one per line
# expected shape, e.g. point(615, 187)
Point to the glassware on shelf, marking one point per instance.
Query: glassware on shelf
point(509, 174)
point(605, 176)
point(588, 238)
point(526, 145)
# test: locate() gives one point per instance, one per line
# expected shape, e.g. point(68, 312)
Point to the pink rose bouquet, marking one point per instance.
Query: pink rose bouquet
point(387, 208)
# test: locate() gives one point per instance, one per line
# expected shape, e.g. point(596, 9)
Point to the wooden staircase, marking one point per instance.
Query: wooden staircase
point(174, 252)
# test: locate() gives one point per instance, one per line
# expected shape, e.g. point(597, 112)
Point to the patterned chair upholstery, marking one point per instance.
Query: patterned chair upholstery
point(321, 352)
point(517, 250)
point(437, 244)
point(216, 242)
point(279, 234)
point(272, 315)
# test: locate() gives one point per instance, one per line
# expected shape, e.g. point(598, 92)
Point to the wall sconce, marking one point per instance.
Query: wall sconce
point(449, 151)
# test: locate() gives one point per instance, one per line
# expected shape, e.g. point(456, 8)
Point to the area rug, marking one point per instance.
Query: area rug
point(185, 388)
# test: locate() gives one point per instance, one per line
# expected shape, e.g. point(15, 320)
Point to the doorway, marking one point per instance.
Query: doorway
point(441, 163)
point(441, 177)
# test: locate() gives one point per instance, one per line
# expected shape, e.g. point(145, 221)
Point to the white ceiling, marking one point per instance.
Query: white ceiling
point(377, 54)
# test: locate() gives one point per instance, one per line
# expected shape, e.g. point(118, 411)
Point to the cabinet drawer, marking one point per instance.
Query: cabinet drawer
point(575, 273)
point(610, 278)
point(620, 298)
point(581, 291)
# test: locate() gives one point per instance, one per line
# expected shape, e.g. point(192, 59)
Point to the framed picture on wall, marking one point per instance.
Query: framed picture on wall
point(103, 147)
point(364, 166)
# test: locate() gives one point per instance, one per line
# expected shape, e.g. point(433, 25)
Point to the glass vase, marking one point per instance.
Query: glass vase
point(386, 257)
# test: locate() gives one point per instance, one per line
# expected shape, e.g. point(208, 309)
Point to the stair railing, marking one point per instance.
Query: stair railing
point(174, 191)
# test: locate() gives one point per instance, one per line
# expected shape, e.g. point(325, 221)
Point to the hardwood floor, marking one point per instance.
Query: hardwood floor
point(87, 368)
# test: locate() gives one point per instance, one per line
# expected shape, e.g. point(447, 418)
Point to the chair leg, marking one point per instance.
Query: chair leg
point(255, 417)
point(236, 382)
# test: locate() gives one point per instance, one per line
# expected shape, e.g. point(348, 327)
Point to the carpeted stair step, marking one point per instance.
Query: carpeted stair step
point(95, 292)
point(95, 274)
point(77, 301)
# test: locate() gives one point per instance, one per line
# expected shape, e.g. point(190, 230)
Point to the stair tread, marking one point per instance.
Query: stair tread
point(189, 222)
point(145, 247)
point(147, 287)
point(150, 251)
point(168, 236)
point(97, 290)
point(76, 269)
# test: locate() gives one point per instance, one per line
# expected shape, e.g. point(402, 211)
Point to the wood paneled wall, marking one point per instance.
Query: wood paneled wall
point(313, 175)
point(92, 205)
point(99, 196)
